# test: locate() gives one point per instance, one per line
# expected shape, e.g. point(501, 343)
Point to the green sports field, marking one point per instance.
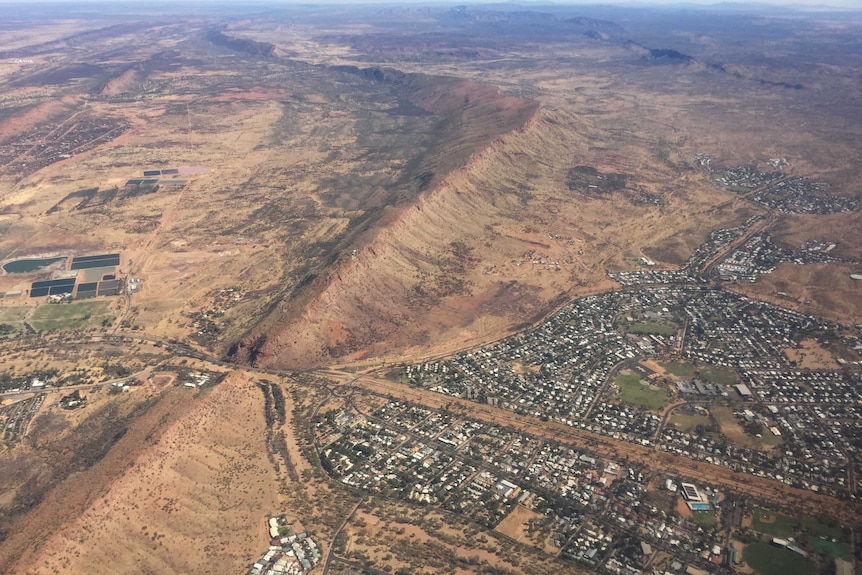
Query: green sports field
point(634, 392)
point(767, 559)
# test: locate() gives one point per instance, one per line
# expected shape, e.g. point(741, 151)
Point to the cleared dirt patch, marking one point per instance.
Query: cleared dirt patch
point(811, 355)
point(517, 526)
point(730, 427)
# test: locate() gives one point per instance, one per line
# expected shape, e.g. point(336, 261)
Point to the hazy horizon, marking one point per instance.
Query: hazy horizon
point(747, 6)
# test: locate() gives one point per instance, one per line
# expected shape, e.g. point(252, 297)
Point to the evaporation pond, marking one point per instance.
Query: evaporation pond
point(30, 265)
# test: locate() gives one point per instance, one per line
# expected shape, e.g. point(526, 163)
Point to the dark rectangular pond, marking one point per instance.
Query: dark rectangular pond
point(99, 261)
point(52, 287)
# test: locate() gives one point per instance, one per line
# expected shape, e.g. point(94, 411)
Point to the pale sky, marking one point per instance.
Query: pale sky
point(811, 4)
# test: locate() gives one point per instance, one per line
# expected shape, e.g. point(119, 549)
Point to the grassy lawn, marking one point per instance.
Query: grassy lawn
point(689, 422)
point(652, 328)
point(817, 528)
point(767, 559)
point(48, 317)
point(13, 314)
point(704, 518)
point(679, 368)
point(826, 546)
point(772, 523)
point(633, 392)
point(767, 440)
point(714, 375)
point(718, 375)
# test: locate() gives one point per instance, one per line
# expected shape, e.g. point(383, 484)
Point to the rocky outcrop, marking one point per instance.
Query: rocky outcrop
point(246, 45)
point(415, 256)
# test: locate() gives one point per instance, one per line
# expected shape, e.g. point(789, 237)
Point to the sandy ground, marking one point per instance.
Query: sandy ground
point(196, 496)
point(515, 526)
point(825, 290)
point(734, 432)
point(811, 355)
point(682, 508)
point(376, 535)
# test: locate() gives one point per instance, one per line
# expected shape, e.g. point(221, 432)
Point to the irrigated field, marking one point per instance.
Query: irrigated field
point(772, 523)
point(635, 392)
point(767, 559)
point(70, 316)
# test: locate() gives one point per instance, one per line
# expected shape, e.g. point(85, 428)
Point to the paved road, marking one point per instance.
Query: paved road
point(331, 553)
point(69, 388)
point(600, 444)
point(710, 270)
point(608, 447)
